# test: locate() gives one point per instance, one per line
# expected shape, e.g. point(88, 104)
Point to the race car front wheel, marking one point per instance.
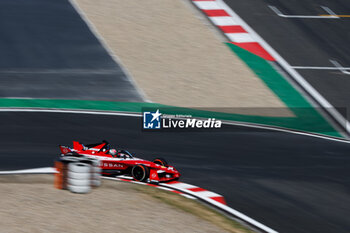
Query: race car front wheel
point(140, 172)
point(160, 161)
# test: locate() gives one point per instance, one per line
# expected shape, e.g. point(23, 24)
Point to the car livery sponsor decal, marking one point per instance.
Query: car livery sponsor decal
point(107, 164)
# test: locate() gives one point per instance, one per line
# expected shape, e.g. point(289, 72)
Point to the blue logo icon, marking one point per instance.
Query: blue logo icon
point(151, 120)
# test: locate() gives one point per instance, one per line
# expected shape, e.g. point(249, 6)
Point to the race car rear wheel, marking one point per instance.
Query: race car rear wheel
point(140, 172)
point(160, 161)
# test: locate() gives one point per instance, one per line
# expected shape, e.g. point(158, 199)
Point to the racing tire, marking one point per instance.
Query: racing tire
point(140, 172)
point(79, 189)
point(79, 167)
point(79, 175)
point(160, 161)
point(79, 182)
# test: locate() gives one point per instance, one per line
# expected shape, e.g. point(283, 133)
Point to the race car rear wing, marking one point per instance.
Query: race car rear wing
point(77, 146)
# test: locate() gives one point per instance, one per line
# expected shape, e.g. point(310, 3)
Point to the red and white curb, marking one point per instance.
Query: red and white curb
point(232, 27)
point(194, 190)
point(184, 189)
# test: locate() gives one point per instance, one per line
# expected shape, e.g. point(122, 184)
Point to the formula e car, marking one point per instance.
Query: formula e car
point(121, 162)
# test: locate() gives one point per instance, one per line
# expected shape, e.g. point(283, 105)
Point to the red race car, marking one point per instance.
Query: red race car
point(121, 162)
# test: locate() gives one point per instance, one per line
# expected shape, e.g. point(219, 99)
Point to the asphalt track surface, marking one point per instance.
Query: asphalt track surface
point(48, 51)
point(306, 42)
point(288, 182)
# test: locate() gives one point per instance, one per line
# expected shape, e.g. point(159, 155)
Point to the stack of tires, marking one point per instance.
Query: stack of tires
point(77, 174)
point(95, 171)
point(61, 166)
point(79, 177)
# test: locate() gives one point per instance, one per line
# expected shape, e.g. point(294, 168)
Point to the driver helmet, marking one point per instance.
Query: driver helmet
point(113, 151)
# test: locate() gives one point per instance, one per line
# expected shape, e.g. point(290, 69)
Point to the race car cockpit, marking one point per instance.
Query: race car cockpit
point(124, 154)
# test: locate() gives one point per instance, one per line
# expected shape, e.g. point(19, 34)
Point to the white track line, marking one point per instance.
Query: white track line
point(40, 170)
point(329, 11)
point(125, 177)
point(69, 111)
point(249, 125)
point(187, 196)
point(331, 16)
point(257, 126)
point(318, 68)
point(296, 76)
point(339, 67)
point(164, 188)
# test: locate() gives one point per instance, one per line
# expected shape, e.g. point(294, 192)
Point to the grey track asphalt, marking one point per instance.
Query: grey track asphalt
point(306, 42)
point(289, 182)
point(48, 51)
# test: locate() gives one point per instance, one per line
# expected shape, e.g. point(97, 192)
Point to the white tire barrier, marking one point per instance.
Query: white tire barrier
point(79, 182)
point(79, 175)
point(79, 167)
point(79, 189)
point(97, 170)
point(96, 177)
